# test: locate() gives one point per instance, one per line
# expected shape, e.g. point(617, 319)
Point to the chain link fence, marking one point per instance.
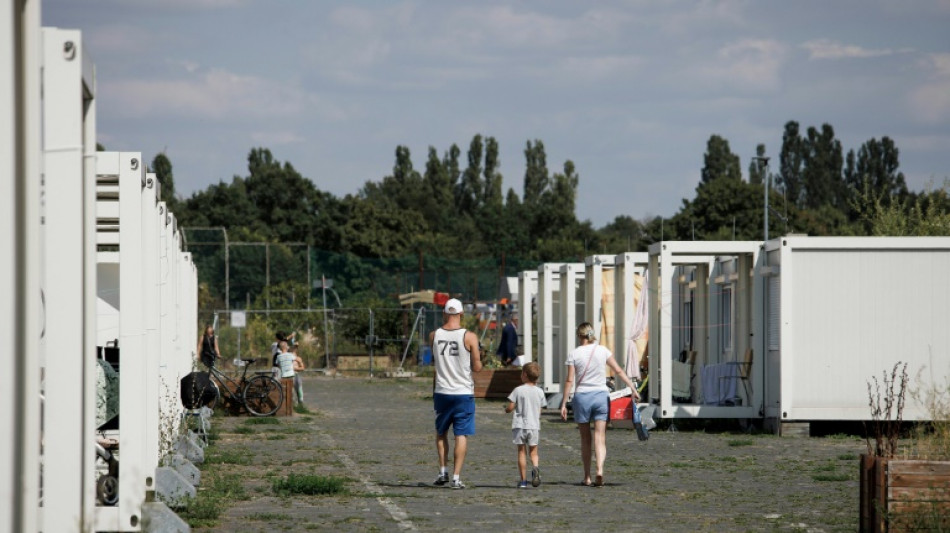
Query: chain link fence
point(352, 341)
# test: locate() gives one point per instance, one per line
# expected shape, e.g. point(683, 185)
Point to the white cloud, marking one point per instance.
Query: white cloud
point(930, 101)
point(828, 49)
point(749, 64)
point(216, 94)
point(271, 138)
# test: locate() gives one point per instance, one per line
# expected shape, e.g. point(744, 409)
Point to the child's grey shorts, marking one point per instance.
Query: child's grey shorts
point(525, 436)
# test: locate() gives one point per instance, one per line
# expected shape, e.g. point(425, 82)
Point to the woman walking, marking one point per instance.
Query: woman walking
point(208, 347)
point(591, 401)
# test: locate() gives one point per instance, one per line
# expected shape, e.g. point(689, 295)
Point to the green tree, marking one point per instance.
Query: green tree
point(877, 163)
point(162, 167)
point(719, 162)
point(724, 209)
point(822, 182)
point(791, 163)
point(535, 174)
point(468, 196)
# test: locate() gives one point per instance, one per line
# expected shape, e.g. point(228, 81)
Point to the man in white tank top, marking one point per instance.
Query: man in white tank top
point(455, 355)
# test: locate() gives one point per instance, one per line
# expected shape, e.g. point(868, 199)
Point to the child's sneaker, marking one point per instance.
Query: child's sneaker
point(457, 484)
point(442, 479)
point(535, 477)
point(522, 484)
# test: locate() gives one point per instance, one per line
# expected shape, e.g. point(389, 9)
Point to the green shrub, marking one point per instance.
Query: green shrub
point(309, 484)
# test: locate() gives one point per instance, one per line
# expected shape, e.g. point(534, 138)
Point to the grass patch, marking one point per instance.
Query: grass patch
point(278, 436)
point(847, 457)
point(309, 484)
point(216, 493)
point(267, 517)
point(262, 421)
point(739, 442)
point(831, 477)
point(232, 457)
point(302, 409)
point(243, 430)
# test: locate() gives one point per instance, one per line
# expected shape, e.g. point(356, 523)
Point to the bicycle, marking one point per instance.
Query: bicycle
point(257, 394)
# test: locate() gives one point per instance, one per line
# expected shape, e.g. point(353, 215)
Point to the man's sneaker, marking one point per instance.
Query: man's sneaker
point(442, 479)
point(457, 484)
point(522, 484)
point(535, 477)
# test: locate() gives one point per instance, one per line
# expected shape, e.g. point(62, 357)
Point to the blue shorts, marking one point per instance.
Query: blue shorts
point(456, 410)
point(590, 406)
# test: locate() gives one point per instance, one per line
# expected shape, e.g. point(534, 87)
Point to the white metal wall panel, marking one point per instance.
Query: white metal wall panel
point(571, 292)
point(69, 240)
point(856, 307)
point(151, 319)
point(548, 289)
point(20, 310)
point(527, 294)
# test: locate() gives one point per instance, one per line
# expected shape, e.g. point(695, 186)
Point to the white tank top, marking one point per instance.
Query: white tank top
point(453, 362)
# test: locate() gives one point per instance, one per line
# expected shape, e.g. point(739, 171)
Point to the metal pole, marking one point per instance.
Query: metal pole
point(267, 275)
point(326, 329)
point(372, 342)
point(227, 271)
point(767, 184)
point(309, 287)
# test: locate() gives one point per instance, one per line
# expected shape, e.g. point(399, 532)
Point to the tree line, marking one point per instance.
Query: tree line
point(460, 208)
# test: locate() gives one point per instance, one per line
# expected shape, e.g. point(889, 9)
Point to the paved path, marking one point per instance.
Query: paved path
point(378, 435)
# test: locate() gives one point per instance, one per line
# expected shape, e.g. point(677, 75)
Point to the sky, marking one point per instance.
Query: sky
point(629, 91)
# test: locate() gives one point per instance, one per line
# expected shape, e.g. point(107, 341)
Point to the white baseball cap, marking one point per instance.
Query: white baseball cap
point(453, 307)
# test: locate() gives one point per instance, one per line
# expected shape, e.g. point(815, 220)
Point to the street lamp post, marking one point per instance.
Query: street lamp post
point(767, 183)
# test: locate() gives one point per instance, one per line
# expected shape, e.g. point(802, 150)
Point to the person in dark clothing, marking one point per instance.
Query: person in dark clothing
point(508, 347)
point(208, 347)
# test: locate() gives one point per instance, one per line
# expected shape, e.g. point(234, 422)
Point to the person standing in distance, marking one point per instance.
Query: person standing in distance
point(455, 356)
point(208, 347)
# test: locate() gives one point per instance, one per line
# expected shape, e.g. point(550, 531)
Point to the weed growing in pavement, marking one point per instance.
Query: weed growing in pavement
point(218, 491)
point(262, 421)
point(932, 439)
point(309, 484)
point(265, 517)
point(831, 477)
point(233, 457)
point(887, 410)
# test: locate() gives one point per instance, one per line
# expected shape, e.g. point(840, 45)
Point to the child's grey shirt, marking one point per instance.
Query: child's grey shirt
point(529, 400)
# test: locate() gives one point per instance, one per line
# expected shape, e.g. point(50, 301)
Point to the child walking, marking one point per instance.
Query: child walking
point(526, 401)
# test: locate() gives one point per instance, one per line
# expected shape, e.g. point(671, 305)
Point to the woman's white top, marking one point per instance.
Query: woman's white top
point(594, 378)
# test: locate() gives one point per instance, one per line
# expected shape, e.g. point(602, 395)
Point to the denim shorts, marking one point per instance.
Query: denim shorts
point(590, 406)
point(456, 410)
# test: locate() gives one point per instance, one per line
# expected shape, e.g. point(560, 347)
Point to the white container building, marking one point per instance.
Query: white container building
point(843, 310)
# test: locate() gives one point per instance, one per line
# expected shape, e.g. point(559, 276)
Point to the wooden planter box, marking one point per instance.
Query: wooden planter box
point(496, 382)
point(904, 495)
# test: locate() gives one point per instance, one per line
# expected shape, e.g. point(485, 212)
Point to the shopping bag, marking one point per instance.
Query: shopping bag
point(642, 432)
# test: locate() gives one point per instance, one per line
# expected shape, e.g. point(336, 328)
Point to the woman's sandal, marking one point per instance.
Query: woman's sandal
point(586, 484)
point(599, 481)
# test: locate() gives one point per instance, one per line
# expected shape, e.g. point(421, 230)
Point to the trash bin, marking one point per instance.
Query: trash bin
point(425, 355)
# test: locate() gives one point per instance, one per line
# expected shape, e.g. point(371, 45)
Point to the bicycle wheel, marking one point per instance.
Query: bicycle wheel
point(263, 395)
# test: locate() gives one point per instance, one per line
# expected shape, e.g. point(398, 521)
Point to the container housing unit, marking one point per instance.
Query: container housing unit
point(844, 310)
point(702, 355)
